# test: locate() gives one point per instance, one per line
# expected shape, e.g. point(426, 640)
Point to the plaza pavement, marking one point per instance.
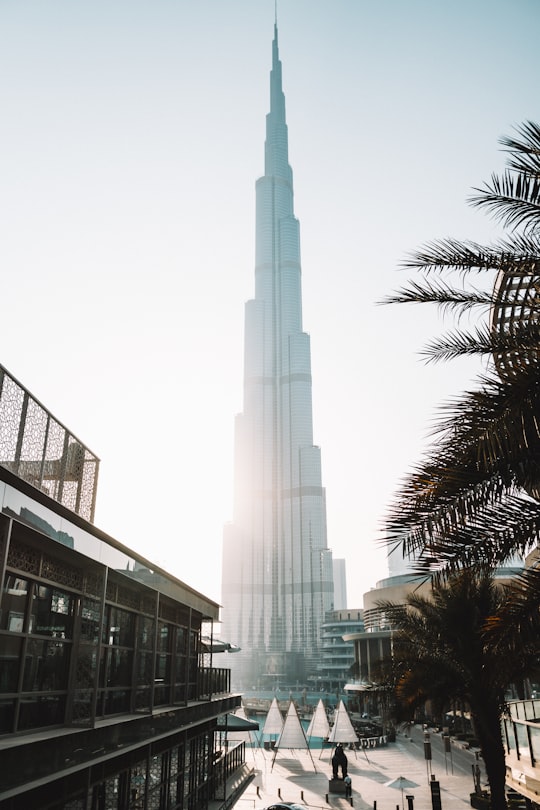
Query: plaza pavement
point(296, 776)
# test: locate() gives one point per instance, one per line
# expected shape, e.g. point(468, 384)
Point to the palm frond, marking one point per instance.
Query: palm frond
point(524, 152)
point(446, 297)
point(522, 340)
point(513, 199)
point(445, 254)
point(444, 541)
point(474, 498)
point(519, 253)
point(493, 429)
point(480, 342)
point(517, 625)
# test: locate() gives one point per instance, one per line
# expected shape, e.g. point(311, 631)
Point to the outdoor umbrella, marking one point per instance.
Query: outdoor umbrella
point(401, 783)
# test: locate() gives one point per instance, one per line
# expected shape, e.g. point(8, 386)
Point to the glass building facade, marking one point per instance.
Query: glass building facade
point(277, 568)
point(109, 699)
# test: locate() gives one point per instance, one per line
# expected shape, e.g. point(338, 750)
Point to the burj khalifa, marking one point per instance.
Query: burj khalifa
point(277, 569)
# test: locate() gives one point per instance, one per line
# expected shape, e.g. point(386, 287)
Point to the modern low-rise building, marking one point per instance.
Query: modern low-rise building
point(337, 655)
point(373, 642)
point(109, 697)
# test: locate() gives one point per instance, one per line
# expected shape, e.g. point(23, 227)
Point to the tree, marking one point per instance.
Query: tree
point(474, 498)
point(444, 651)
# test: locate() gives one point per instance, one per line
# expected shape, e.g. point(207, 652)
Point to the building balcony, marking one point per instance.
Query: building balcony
point(212, 682)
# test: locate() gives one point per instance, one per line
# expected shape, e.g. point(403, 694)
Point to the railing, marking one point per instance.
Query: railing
point(39, 449)
point(521, 729)
point(225, 767)
point(212, 681)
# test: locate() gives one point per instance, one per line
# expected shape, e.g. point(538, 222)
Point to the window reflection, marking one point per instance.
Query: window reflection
point(90, 620)
point(118, 627)
point(14, 603)
point(39, 711)
point(9, 663)
point(52, 612)
point(45, 666)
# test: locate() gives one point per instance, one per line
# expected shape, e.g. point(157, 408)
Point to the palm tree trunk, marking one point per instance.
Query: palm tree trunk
point(487, 721)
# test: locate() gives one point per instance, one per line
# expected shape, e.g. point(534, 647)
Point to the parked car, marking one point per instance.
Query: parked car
point(285, 806)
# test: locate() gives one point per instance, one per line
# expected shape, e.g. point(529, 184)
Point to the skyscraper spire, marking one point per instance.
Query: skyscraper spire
point(277, 569)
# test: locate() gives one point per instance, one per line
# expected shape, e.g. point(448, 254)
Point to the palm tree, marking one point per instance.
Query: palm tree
point(474, 498)
point(443, 652)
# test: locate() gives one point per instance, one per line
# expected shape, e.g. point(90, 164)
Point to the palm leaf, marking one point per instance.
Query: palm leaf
point(513, 199)
point(524, 152)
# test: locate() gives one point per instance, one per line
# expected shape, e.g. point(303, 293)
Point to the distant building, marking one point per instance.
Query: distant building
point(110, 699)
point(340, 584)
point(374, 643)
point(335, 668)
point(277, 568)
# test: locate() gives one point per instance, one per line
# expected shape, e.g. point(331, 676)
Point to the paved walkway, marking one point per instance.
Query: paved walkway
point(295, 776)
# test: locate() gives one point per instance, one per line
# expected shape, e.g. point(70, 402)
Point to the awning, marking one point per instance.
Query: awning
point(214, 645)
point(231, 722)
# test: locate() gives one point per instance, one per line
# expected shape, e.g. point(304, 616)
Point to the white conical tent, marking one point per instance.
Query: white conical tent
point(319, 725)
point(274, 721)
point(342, 730)
point(292, 735)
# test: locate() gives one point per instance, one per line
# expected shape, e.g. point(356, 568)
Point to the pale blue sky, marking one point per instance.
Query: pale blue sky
point(132, 135)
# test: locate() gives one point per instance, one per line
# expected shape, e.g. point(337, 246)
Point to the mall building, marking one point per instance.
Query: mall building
point(109, 697)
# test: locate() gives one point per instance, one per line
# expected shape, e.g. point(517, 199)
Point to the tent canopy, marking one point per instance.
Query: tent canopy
point(319, 726)
point(274, 720)
point(292, 735)
point(342, 730)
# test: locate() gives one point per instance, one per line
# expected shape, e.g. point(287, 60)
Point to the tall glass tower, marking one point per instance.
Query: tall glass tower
point(277, 568)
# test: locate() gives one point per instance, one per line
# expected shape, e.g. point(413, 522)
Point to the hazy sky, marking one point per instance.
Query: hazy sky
point(132, 135)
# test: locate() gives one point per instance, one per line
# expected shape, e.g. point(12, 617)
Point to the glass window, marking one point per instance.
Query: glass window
point(52, 612)
point(7, 715)
point(522, 741)
point(180, 671)
point(10, 657)
point(119, 667)
point(137, 786)
point(181, 637)
point(155, 788)
point(118, 629)
point(163, 668)
point(45, 666)
point(39, 711)
point(108, 793)
point(90, 618)
point(146, 633)
point(14, 602)
point(535, 743)
point(162, 695)
point(85, 674)
point(164, 634)
point(145, 668)
point(117, 701)
point(142, 699)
